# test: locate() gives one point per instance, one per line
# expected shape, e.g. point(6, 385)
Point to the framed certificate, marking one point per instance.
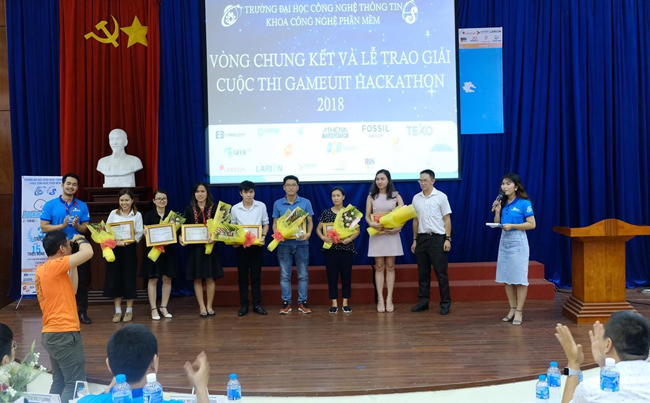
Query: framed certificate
point(257, 230)
point(195, 233)
point(161, 234)
point(303, 228)
point(123, 231)
point(327, 226)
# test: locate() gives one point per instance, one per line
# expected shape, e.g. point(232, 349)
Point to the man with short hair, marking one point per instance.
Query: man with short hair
point(133, 351)
point(626, 339)
point(249, 260)
point(7, 345)
point(70, 215)
point(431, 241)
point(55, 289)
point(293, 249)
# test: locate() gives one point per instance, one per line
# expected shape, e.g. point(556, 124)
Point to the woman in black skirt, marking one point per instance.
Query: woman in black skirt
point(200, 266)
point(122, 274)
point(164, 267)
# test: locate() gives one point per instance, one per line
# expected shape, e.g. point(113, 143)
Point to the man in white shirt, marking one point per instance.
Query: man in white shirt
point(249, 260)
point(431, 241)
point(626, 339)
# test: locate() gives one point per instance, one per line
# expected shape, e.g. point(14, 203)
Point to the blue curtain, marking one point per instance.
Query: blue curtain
point(33, 53)
point(576, 129)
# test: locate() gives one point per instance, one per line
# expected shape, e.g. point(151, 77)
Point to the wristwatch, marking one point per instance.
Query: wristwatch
point(572, 372)
point(448, 237)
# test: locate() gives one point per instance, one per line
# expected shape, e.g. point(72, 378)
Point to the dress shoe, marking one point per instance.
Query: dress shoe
point(444, 310)
point(117, 317)
point(128, 317)
point(243, 311)
point(259, 310)
point(420, 306)
point(83, 318)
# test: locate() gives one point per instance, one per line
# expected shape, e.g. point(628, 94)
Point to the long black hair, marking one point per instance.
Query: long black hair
point(208, 201)
point(390, 188)
point(520, 192)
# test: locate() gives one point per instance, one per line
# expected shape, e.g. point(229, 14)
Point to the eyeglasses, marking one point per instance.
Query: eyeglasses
point(14, 345)
point(159, 199)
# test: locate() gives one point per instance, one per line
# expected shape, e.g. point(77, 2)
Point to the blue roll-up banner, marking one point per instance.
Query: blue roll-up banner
point(480, 60)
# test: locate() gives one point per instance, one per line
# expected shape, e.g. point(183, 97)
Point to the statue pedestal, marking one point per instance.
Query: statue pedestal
point(101, 201)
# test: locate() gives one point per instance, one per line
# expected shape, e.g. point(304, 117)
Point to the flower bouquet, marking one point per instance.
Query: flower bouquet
point(346, 224)
point(396, 218)
point(104, 237)
point(288, 225)
point(172, 218)
point(221, 216)
point(230, 234)
point(14, 377)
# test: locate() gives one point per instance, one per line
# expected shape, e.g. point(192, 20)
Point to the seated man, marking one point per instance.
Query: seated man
point(626, 339)
point(133, 351)
point(7, 345)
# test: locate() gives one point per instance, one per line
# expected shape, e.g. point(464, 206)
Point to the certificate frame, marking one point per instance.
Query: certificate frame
point(184, 229)
point(123, 227)
point(257, 230)
point(303, 225)
point(167, 231)
point(326, 227)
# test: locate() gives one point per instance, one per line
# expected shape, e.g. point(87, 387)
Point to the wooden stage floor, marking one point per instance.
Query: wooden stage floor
point(322, 354)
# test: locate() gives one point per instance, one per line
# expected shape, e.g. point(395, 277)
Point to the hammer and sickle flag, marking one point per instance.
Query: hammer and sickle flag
point(137, 33)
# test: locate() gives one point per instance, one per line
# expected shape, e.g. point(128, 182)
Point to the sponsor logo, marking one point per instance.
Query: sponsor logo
point(288, 150)
point(419, 130)
point(334, 147)
point(268, 168)
point(375, 129)
point(369, 162)
point(335, 133)
point(268, 130)
point(529, 209)
point(515, 209)
point(220, 134)
point(302, 167)
point(230, 15)
point(236, 152)
point(231, 170)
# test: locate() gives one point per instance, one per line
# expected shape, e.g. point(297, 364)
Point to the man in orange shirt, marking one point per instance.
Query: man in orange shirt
point(56, 295)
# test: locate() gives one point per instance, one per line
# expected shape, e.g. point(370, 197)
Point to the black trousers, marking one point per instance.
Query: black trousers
point(339, 262)
point(83, 272)
point(429, 251)
point(249, 263)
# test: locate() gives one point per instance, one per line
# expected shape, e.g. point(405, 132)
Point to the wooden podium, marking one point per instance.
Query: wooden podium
point(598, 269)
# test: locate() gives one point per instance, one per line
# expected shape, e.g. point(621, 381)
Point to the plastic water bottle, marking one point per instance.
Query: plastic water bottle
point(609, 376)
point(541, 390)
point(234, 388)
point(152, 391)
point(122, 390)
point(81, 392)
point(554, 380)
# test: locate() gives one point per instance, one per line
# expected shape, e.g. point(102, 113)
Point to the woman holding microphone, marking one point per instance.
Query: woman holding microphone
point(514, 211)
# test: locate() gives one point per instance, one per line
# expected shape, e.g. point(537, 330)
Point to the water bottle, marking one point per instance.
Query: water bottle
point(554, 380)
point(152, 391)
point(234, 389)
point(609, 376)
point(121, 392)
point(81, 392)
point(541, 390)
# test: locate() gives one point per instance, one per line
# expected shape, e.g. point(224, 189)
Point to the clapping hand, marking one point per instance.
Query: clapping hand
point(573, 351)
point(198, 372)
point(596, 335)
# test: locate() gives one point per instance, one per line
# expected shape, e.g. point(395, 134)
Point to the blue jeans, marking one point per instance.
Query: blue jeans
point(286, 255)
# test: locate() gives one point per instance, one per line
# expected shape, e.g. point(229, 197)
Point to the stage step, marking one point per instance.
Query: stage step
point(467, 281)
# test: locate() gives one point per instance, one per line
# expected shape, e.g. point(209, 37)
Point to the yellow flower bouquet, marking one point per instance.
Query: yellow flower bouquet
point(104, 237)
point(396, 218)
point(346, 224)
point(288, 225)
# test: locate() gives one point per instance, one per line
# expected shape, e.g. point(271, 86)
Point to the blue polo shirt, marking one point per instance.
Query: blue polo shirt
point(282, 205)
point(56, 210)
point(516, 212)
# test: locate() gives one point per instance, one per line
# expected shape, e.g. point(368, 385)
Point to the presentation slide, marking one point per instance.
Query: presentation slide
point(330, 90)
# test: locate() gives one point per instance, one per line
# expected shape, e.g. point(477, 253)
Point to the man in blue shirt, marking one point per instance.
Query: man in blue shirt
point(293, 249)
point(133, 351)
point(70, 215)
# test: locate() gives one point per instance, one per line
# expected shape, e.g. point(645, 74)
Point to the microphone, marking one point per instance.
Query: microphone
point(498, 200)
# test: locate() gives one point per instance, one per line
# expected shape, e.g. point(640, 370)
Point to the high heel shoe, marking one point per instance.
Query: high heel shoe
point(166, 313)
point(380, 305)
point(510, 318)
point(389, 305)
point(517, 322)
point(154, 314)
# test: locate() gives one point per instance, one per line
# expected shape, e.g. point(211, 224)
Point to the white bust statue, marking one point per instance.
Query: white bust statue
point(119, 168)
